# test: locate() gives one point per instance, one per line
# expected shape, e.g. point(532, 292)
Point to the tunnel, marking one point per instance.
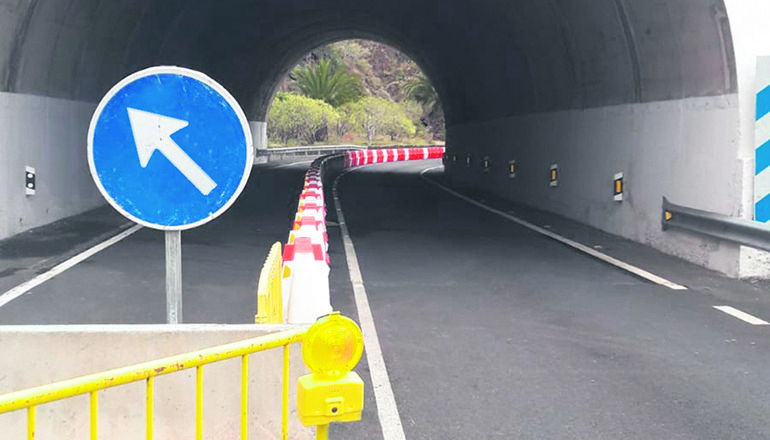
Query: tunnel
point(658, 90)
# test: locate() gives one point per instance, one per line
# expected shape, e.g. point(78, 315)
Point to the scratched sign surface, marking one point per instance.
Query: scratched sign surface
point(169, 148)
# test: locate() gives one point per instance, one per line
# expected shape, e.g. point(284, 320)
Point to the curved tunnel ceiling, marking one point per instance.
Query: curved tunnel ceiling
point(488, 58)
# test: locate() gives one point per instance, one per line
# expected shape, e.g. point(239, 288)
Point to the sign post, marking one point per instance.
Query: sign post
point(174, 277)
point(170, 149)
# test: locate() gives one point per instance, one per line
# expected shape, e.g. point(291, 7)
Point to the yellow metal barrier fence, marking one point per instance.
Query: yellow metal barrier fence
point(269, 295)
point(30, 398)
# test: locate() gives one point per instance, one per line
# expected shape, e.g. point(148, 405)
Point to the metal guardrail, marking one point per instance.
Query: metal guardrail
point(31, 398)
point(327, 149)
point(307, 151)
point(269, 295)
point(737, 230)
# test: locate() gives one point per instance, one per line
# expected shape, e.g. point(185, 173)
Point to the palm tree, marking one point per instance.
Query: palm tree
point(422, 91)
point(334, 86)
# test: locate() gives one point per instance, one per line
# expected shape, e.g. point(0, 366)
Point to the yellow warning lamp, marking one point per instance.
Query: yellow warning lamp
point(331, 348)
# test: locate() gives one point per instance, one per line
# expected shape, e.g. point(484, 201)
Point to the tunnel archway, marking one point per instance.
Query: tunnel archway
point(487, 59)
point(607, 86)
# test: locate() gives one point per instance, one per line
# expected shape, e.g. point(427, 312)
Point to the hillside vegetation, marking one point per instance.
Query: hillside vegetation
point(355, 92)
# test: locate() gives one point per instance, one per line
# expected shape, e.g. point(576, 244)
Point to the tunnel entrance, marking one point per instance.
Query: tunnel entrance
point(595, 88)
point(355, 92)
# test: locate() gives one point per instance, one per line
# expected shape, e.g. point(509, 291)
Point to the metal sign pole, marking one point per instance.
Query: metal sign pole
point(174, 277)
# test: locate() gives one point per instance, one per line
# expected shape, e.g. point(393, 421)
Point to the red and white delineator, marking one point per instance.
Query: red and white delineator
point(308, 297)
point(305, 271)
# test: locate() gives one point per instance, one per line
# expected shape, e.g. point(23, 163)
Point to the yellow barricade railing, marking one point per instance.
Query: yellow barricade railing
point(30, 398)
point(269, 295)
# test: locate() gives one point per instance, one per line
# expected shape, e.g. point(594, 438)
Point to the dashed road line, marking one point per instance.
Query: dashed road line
point(25, 287)
point(641, 273)
point(743, 316)
point(387, 411)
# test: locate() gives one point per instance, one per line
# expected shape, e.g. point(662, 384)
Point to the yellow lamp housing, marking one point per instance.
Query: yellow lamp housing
point(320, 402)
point(331, 348)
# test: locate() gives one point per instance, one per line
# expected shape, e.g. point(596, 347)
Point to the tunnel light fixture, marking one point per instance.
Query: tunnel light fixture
point(468, 160)
point(553, 175)
point(485, 164)
point(454, 159)
point(618, 186)
point(29, 181)
point(511, 169)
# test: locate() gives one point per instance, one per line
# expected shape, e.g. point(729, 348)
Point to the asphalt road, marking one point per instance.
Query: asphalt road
point(488, 330)
point(492, 331)
point(125, 283)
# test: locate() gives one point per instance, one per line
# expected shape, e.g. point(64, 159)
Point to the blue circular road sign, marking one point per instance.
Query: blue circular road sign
point(169, 148)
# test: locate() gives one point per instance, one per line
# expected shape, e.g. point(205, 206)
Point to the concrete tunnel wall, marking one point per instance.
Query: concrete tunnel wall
point(649, 88)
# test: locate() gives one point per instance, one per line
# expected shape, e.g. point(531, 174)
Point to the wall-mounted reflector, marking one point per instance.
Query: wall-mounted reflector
point(454, 159)
point(468, 160)
point(29, 181)
point(485, 164)
point(553, 175)
point(618, 187)
point(511, 169)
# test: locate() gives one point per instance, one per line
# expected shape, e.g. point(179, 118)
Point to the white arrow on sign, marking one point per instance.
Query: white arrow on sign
point(153, 132)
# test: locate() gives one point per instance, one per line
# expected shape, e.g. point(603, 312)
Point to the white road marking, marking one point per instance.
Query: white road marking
point(743, 316)
point(387, 410)
point(25, 287)
point(592, 252)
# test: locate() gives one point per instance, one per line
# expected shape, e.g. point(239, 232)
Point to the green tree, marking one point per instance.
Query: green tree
point(373, 116)
point(334, 86)
point(298, 117)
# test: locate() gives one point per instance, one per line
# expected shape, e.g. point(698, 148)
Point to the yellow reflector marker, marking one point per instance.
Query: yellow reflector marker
point(618, 187)
point(332, 346)
point(286, 271)
point(669, 216)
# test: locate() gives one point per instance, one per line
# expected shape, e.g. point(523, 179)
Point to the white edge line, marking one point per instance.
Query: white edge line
point(387, 411)
point(743, 316)
point(25, 287)
point(585, 249)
